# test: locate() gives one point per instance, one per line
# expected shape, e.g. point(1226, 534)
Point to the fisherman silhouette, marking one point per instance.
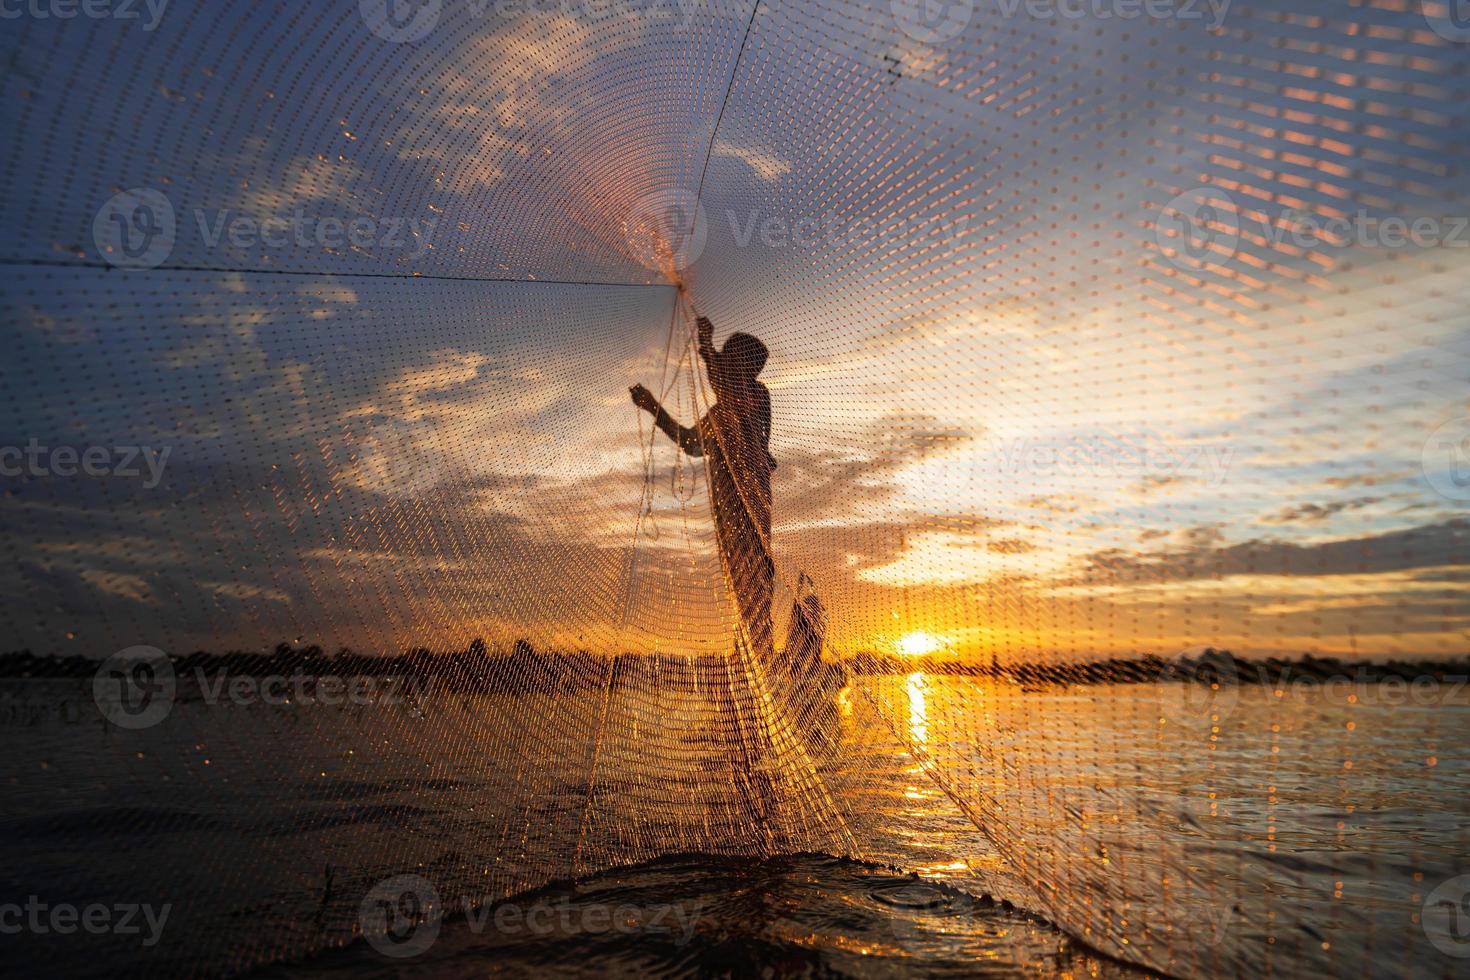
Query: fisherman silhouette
point(734, 439)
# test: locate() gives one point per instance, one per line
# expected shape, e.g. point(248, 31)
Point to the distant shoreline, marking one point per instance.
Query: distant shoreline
point(522, 667)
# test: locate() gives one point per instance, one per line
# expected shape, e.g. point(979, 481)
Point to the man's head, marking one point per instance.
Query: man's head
point(743, 355)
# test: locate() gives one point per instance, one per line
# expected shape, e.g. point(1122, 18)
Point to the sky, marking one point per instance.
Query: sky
point(1010, 411)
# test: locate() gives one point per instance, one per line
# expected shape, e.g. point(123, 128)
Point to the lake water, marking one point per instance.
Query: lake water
point(1298, 830)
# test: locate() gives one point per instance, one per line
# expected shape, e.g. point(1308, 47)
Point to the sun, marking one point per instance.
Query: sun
point(918, 643)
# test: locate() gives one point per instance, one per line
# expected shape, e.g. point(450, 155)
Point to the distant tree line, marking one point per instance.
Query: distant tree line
point(522, 667)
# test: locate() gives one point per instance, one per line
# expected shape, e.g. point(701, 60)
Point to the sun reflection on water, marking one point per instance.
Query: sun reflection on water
point(918, 709)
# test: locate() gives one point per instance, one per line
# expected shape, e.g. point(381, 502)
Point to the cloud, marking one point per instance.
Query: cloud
point(1366, 479)
point(1152, 486)
point(128, 586)
point(839, 480)
point(1203, 556)
point(767, 166)
point(1061, 503)
point(1317, 513)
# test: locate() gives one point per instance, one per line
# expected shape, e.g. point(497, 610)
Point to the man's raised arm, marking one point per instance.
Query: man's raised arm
point(686, 437)
point(706, 338)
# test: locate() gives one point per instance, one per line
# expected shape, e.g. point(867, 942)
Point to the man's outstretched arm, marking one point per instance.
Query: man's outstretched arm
point(686, 437)
point(706, 338)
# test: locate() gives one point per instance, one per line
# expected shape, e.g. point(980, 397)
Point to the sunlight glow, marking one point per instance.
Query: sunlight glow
point(918, 643)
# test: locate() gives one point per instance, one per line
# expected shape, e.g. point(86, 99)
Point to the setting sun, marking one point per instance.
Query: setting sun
point(918, 643)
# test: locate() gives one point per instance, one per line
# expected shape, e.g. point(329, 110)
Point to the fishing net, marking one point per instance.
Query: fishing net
point(1117, 361)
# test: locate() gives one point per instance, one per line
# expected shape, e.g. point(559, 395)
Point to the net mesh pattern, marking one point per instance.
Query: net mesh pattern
point(1091, 346)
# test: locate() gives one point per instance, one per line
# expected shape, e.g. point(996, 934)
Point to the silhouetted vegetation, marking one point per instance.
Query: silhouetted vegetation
point(523, 668)
point(1210, 665)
